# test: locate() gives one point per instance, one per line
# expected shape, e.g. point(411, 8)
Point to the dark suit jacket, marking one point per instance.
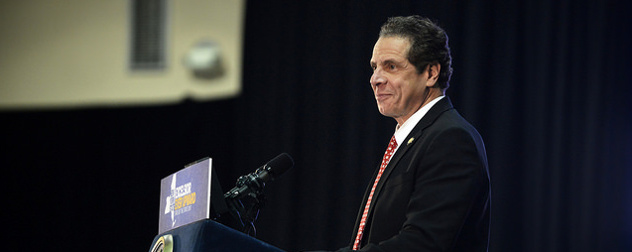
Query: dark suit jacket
point(434, 194)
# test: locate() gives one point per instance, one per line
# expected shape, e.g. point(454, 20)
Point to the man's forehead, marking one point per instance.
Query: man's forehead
point(390, 49)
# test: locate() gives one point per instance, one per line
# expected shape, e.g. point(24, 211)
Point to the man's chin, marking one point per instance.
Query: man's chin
point(385, 112)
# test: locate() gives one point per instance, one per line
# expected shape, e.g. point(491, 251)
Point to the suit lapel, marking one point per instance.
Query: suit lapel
point(413, 137)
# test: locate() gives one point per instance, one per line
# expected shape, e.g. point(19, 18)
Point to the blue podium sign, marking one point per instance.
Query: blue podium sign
point(185, 196)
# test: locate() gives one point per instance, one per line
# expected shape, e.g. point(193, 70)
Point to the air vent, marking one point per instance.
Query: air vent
point(148, 34)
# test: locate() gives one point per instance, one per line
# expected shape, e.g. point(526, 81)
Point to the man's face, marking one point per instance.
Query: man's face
point(399, 90)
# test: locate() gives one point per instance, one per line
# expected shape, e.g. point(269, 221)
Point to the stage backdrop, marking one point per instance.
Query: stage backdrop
point(546, 83)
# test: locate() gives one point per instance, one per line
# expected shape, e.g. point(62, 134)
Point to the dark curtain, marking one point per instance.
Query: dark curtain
point(547, 83)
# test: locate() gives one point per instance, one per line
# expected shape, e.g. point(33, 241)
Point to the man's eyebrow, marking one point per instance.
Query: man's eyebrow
point(384, 62)
point(389, 61)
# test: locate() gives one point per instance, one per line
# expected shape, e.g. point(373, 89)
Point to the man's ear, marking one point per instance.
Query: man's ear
point(433, 70)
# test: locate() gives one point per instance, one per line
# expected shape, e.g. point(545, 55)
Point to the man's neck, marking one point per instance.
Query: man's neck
point(432, 95)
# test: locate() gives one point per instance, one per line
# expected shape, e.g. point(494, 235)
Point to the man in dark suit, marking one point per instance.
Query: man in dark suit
point(432, 191)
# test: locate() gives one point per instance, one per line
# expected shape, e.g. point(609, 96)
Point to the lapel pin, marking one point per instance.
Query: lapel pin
point(410, 140)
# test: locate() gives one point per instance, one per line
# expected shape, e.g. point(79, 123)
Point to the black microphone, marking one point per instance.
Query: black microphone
point(253, 183)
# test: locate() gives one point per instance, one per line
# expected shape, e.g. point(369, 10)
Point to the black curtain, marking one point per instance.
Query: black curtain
point(547, 84)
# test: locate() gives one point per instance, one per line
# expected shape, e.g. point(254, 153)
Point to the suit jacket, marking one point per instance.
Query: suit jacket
point(434, 195)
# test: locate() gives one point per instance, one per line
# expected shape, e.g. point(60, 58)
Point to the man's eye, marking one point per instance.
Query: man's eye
point(391, 66)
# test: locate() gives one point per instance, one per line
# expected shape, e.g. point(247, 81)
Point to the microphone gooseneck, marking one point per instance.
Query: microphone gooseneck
point(246, 198)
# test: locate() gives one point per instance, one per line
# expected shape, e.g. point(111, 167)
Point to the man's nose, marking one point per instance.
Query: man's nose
point(377, 78)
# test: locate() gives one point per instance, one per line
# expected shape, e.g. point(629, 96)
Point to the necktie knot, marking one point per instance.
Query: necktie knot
point(392, 145)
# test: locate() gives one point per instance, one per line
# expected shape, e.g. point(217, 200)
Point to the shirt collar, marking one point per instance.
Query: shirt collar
point(402, 131)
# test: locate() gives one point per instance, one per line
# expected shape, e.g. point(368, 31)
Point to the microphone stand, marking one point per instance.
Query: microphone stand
point(244, 206)
point(246, 210)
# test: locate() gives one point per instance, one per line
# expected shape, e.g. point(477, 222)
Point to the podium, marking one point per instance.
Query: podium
point(192, 205)
point(208, 235)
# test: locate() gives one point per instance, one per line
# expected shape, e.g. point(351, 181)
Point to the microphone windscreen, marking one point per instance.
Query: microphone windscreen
point(280, 164)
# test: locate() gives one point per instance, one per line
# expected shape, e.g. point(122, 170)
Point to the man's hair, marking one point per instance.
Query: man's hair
point(428, 44)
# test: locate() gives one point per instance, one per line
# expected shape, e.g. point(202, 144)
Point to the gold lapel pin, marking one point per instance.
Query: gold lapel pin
point(411, 140)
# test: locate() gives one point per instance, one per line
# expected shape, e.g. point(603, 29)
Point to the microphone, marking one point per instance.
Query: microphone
point(246, 198)
point(253, 183)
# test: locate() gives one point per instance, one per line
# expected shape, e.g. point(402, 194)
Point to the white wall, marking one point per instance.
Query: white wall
point(74, 53)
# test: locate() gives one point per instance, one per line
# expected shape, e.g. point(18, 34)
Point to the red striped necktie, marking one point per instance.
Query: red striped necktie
point(387, 157)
